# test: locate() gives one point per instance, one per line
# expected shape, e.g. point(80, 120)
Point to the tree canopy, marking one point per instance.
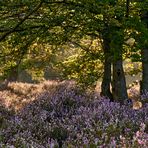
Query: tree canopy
point(33, 34)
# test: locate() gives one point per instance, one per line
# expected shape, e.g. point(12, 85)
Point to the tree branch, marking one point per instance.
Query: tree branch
point(127, 8)
point(21, 22)
point(82, 47)
point(22, 29)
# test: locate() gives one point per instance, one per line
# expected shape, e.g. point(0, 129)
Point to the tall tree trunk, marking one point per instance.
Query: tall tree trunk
point(144, 55)
point(144, 82)
point(105, 86)
point(119, 90)
point(119, 83)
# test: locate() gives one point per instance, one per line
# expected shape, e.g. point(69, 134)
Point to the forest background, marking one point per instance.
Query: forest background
point(62, 49)
point(77, 40)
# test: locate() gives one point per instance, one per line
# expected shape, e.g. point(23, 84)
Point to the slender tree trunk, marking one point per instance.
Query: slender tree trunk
point(105, 86)
point(144, 82)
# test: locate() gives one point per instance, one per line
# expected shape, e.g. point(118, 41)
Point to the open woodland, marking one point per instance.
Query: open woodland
point(73, 73)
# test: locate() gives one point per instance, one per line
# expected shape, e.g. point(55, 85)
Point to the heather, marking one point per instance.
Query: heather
point(61, 114)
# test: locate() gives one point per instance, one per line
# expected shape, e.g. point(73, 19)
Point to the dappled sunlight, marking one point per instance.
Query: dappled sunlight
point(137, 100)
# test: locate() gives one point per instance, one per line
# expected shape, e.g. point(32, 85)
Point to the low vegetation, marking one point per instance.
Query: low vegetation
point(60, 114)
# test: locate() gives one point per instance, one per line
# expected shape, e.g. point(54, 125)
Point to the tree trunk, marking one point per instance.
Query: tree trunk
point(144, 82)
point(13, 74)
point(119, 90)
point(11, 77)
point(105, 86)
point(4, 85)
point(144, 55)
point(119, 84)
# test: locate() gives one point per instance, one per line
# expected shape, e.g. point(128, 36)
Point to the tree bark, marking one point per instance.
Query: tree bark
point(119, 83)
point(119, 89)
point(105, 86)
point(144, 82)
point(12, 77)
point(144, 56)
point(4, 85)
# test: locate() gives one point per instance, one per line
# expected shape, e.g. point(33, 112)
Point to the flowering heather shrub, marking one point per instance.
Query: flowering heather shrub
point(66, 116)
point(144, 97)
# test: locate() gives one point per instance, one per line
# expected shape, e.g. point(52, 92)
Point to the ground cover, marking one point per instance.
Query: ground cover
point(60, 114)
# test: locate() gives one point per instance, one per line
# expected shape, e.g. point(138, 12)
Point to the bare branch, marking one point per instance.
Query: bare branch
point(22, 29)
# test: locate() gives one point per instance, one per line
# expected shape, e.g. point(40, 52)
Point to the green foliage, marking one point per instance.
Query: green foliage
point(34, 33)
point(86, 68)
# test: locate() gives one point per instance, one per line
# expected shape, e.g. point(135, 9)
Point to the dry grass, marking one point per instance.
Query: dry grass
point(18, 94)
